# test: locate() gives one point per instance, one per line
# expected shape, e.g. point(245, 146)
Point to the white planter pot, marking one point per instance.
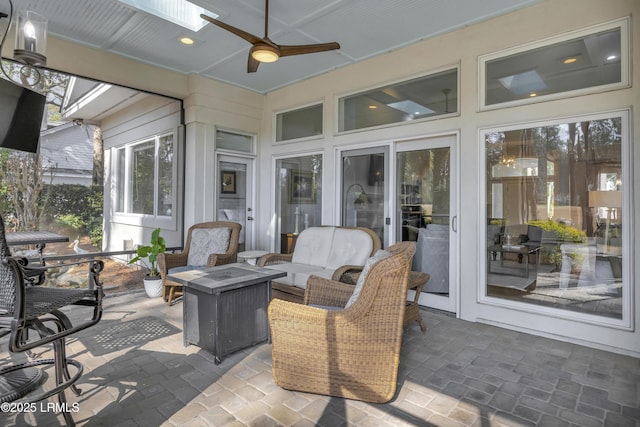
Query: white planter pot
point(153, 286)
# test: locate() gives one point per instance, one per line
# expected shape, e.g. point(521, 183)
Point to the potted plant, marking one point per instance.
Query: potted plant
point(152, 281)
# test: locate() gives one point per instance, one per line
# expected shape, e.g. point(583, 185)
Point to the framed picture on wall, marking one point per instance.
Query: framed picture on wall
point(301, 188)
point(228, 182)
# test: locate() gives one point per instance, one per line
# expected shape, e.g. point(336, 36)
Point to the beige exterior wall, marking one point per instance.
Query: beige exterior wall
point(209, 106)
point(463, 47)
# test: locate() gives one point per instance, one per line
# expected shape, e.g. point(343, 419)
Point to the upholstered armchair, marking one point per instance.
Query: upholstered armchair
point(325, 251)
point(345, 340)
point(208, 244)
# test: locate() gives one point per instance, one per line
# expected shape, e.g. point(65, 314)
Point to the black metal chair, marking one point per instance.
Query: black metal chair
point(25, 309)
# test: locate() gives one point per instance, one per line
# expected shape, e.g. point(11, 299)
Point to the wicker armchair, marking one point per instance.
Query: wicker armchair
point(352, 352)
point(32, 317)
point(168, 261)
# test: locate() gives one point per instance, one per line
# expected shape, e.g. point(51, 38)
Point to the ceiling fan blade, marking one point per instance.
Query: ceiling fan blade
point(307, 48)
point(252, 64)
point(237, 31)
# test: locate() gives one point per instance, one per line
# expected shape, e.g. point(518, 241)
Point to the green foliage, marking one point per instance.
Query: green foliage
point(83, 204)
point(151, 252)
point(563, 232)
point(70, 220)
point(75, 199)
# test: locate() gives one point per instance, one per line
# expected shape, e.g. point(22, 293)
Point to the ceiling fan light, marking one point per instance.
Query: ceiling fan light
point(264, 53)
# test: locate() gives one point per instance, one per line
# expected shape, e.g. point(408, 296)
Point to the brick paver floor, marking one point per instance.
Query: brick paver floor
point(138, 373)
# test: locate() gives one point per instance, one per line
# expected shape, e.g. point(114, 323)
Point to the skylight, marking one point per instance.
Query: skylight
point(411, 107)
point(179, 12)
point(523, 83)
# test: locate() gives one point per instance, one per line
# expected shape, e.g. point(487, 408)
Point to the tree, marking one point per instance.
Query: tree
point(22, 173)
point(98, 156)
point(23, 181)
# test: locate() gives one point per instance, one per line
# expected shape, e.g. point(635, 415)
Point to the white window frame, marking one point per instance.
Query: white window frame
point(251, 153)
point(627, 321)
point(625, 65)
point(276, 228)
point(277, 113)
point(339, 97)
point(128, 217)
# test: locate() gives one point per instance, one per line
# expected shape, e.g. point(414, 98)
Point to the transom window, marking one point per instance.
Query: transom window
point(586, 61)
point(305, 122)
point(421, 98)
point(146, 175)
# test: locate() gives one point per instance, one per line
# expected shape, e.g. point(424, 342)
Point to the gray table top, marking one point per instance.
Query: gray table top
point(34, 238)
point(225, 277)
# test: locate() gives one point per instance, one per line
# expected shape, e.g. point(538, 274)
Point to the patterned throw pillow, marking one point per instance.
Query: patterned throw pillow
point(378, 256)
point(206, 241)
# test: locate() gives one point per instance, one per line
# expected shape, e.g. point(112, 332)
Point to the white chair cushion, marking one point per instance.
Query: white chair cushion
point(297, 274)
point(313, 246)
point(206, 241)
point(349, 247)
point(378, 256)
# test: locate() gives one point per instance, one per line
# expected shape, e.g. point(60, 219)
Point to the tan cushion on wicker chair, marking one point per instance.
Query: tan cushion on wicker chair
point(206, 241)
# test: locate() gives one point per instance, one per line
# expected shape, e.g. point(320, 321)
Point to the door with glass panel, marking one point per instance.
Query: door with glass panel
point(426, 214)
point(364, 192)
point(234, 196)
point(298, 198)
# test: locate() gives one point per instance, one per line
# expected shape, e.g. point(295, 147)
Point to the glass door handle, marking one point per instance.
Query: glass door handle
point(454, 224)
point(249, 218)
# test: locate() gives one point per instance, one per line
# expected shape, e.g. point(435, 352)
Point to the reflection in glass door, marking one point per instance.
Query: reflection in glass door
point(298, 198)
point(364, 189)
point(425, 214)
point(233, 196)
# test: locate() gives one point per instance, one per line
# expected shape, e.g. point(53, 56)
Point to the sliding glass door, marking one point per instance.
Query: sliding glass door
point(298, 198)
point(426, 214)
point(364, 190)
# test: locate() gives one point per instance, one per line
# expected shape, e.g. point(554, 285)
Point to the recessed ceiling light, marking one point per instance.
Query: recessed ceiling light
point(186, 40)
point(611, 57)
point(373, 107)
point(532, 94)
point(569, 60)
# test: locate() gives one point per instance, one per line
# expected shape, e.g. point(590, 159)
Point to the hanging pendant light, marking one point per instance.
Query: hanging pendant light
point(30, 46)
point(31, 39)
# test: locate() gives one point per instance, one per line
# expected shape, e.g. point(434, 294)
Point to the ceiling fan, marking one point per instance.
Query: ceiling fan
point(264, 50)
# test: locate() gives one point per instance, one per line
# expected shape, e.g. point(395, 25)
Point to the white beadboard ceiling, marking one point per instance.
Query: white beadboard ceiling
point(364, 28)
